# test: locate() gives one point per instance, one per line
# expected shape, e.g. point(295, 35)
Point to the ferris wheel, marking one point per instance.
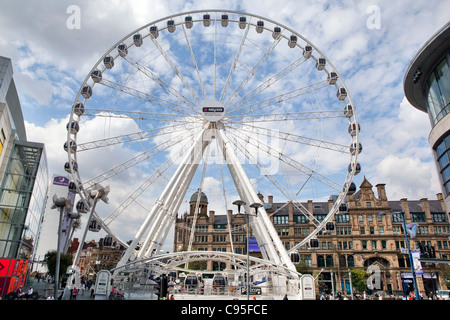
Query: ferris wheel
point(224, 102)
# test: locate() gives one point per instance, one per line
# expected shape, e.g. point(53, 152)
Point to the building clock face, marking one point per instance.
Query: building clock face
point(213, 111)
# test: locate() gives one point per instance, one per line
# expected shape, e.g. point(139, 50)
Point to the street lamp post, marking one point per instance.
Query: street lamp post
point(98, 192)
point(411, 261)
point(60, 203)
point(255, 205)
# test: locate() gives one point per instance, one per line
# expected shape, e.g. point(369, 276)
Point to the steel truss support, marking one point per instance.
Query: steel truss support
point(266, 234)
point(155, 228)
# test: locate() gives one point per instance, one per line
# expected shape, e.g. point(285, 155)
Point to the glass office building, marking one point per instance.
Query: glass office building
point(22, 200)
point(427, 88)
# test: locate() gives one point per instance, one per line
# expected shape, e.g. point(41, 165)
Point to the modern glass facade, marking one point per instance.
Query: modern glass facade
point(442, 153)
point(23, 194)
point(437, 91)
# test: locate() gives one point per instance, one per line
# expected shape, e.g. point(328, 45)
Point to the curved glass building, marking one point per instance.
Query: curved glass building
point(427, 87)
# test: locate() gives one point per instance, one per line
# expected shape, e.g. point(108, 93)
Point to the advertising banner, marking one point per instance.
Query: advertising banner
point(417, 265)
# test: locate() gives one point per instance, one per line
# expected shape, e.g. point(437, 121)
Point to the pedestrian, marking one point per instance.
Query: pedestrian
point(285, 297)
point(50, 297)
point(83, 287)
point(29, 293)
point(74, 293)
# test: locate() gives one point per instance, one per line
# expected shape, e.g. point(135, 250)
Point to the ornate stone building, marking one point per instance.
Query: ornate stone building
point(362, 238)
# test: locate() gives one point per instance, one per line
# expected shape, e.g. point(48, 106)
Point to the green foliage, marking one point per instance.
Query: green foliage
point(65, 262)
point(359, 278)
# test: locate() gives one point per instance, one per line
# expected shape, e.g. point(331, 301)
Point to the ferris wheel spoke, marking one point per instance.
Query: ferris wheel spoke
point(252, 72)
point(266, 149)
point(136, 160)
point(150, 74)
point(195, 62)
point(140, 115)
point(176, 70)
point(269, 82)
point(141, 135)
point(274, 181)
point(281, 98)
point(157, 173)
point(180, 109)
point(307, 115)
point(252, 129)
point(235, 62)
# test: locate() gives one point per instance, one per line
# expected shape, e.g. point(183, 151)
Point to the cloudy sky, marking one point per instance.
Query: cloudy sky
point(370, 42)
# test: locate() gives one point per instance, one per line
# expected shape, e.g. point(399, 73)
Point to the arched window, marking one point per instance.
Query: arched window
point(320, 261)
point(360, 218)
point(329, 261)
point(342, 262)
point(351, 261)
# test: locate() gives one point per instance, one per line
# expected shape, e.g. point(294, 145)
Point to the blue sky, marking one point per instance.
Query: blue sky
point(369, 42)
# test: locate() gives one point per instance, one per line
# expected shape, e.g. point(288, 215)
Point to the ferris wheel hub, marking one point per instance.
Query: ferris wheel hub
point(213, 110)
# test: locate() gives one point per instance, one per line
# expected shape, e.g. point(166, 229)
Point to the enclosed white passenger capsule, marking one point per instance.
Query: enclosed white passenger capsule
point(354, 148)
point(206, 20)
point(353, 129)
point(320, 65)
point(224, 20)
point(78, 109)
point(332, 77)
point(82, 206)
point(242, 22)
point(73, 127)
point(341, 94)
point(72, 145)
point(122, 49)
point(307, 51)
point(154, 31)
point(94, 226)
point(348, 111)
point(137, 39)
point(292, 41)
point(108, 61)
point(188, 22)
point(357, 169)
point(86, 91)
point(72, 165)
point(96, 76)
point(276, 32)
point(171, 26)
point(259, 26)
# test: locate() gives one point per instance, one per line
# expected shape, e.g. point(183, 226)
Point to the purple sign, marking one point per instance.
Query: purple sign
point(61, 181)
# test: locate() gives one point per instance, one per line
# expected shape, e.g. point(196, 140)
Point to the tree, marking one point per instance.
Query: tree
point(65, 262)
point(359, 278)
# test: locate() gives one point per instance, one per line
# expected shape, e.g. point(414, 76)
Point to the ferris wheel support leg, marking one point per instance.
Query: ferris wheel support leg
point(174, 202)
point(176, 194)
point(190, 156)
point(269, 235)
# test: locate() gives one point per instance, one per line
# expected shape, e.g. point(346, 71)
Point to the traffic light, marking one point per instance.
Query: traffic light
point(161, 286)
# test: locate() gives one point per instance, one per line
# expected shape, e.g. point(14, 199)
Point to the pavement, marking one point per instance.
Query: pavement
point(45, 289)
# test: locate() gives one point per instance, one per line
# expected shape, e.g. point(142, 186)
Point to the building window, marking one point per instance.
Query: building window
point(277, 220)
point(364, 244)
point(418, 217)
point(438, 216)
point(437, 91)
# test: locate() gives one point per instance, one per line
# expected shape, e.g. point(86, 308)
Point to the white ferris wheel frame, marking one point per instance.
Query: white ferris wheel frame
point(158, 221)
